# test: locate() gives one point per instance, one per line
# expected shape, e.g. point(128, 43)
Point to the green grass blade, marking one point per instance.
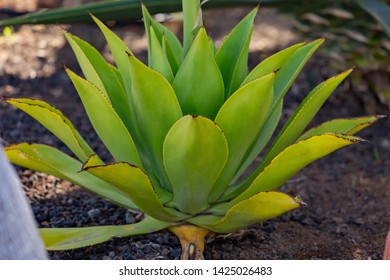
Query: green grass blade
point(72, 238)
point(118, 10)
point(241, 118)
point(106, 121)
point(198, 83)
point(304, 114)
point(136, 185)
point(345, 126)
point(195, 152)
point(56, 123)
point(234, 47)
point(49, 160)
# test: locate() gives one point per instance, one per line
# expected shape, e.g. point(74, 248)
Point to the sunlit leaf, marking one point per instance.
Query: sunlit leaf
point(304, 114)
point(136, 185)
point(49, 160)
point(257, 208)
point(195, 152)
point(232, 56)
point(346, 126)
point(71, 238)
point(288, 163)
point(106, 121)
point(241, 118)
point(198, 83)
point(56, 122)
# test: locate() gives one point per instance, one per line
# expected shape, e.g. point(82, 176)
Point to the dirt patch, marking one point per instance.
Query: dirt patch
point(347, 193)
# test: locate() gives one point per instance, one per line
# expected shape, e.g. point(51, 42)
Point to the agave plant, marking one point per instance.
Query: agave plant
point(182, 132)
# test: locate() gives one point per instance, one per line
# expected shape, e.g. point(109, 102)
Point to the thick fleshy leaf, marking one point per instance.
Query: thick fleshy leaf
point(167, 39)
point(304, 114)
point(106, 121)
point(198, 83)
point(288, 163)
point(55, 122)
point(172, 46)
point(72, 238)
point(234, 47)
point(158, 60)
point(49, 160)
point(86, 65)
point(195, 152)
point(193, 16)
point(136, 185)
point(259, 207)
point(293, 66)
point(272, 63)
point(291, 61)
point(261, 141)
point(121, 52)
point(345, 126)
point(157, 109)
point(241, 118)
point(102, 74)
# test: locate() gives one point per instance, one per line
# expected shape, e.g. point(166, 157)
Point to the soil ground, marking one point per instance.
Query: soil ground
point(348, 192)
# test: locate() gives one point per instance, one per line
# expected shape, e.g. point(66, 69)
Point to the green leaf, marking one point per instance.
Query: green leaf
point(157, 109)
point(85, 64)
point(120, 52)
point(289, 162)
point(123, 11)
point(192, 19)
point(49, 160)
point(232, 56)
point(290, 70)
point(259, 207)
point(172, 46)
point(291, 61)
point(106, 121)
point(72, 238)
point(345, 126)
point(380, 10)
point(304, 114)
point(56, 122)
point(195, 152)
point(241, 118)
point(102, 74)
point(158, 60)
point(136, 185)
point(168, 40)
point(261, 141)
point(272, 63)
point(198, 83)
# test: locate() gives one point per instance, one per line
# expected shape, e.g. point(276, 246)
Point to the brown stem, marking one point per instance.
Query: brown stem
point(191, 239)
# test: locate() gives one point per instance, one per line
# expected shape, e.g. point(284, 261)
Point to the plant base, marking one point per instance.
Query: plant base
point(192, 241)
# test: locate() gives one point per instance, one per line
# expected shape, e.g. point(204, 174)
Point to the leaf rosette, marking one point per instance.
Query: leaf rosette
point(183, 130)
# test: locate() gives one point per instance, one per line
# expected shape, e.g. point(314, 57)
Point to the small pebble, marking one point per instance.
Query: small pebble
point(94, 213)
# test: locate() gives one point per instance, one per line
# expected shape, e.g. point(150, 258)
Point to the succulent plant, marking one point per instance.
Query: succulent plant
point(182, 132)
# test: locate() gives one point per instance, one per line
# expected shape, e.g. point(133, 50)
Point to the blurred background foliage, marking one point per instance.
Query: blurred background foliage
point(357, 31)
